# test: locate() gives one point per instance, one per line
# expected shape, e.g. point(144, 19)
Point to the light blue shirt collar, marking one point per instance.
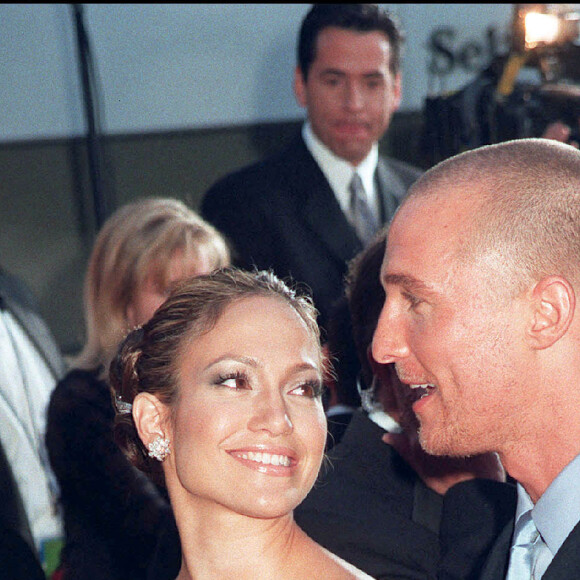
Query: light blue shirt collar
point(557, 511)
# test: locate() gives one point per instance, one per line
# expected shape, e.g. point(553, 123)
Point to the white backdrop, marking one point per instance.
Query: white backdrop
point(182, 66)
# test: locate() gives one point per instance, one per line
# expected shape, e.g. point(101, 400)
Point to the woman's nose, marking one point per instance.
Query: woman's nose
point(270, 414)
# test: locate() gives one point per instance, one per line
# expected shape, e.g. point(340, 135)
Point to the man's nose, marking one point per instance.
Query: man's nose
point(354, 97)
point(389, 340)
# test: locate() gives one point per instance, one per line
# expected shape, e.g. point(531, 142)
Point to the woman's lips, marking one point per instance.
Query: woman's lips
point(274, 462)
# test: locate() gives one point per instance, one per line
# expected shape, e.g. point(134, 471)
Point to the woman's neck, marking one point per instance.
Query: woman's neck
point(236, 546)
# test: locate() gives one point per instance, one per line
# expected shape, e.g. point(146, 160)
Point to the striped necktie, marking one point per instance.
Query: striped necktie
point(365, 222)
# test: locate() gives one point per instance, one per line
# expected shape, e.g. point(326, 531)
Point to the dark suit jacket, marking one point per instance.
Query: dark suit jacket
point(370, 508)
point(281, 213)
point(474, 514)
point(17, 552)
point(337, 425)
point(564, 566)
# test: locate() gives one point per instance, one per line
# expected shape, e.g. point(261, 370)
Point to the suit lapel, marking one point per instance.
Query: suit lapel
point(320, 209)
point(566, 562)
point(496, 564)
point(391, 189)
point(564, 566)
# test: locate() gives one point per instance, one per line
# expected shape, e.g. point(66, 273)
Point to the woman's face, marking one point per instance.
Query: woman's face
point(248, 429)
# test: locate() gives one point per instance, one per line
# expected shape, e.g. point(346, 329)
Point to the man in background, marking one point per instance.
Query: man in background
point(309, 209)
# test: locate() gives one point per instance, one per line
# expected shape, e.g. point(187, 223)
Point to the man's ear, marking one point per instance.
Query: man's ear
point(553, 305)
point(149, 416)
point(300, 87)
point(397, 91)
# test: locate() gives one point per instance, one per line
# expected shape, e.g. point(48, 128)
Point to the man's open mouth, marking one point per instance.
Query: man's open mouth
point(421, 390)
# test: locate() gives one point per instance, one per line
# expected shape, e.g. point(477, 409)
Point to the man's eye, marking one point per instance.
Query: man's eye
point(412, 300)
point(374, 84)
point(331, 81)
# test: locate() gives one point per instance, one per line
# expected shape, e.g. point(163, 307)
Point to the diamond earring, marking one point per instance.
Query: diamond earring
point(159, 449)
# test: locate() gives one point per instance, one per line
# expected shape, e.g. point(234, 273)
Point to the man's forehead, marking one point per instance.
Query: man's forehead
point(333, 38)
point(351, 32)
point(447, 206)
point(391, 271)
point(425, 234)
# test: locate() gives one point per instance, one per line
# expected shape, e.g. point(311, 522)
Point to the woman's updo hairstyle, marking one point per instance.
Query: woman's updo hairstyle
point(147, 359)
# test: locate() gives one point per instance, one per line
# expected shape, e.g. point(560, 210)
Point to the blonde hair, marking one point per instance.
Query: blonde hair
point(135, 244)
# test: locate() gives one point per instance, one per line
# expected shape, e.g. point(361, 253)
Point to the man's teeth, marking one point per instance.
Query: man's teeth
point(422, 390)
point(267, 458)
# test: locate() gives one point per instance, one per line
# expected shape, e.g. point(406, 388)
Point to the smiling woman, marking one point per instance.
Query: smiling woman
point(225, 388)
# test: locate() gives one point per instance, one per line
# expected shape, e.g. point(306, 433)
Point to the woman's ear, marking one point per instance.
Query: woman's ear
point(149, 415)
point(553, 305)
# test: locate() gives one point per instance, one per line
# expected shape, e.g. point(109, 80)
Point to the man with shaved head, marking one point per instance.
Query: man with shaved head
point(482, 275)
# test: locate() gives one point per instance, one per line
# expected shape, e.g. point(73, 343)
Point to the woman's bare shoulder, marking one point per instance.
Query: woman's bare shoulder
point(344, 569)
point(318, 562)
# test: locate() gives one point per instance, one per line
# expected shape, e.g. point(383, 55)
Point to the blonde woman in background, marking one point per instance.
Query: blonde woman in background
point(112, 512)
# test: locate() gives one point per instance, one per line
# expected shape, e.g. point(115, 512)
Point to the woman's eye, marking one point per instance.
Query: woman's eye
point(234, 382)
point(311, 389)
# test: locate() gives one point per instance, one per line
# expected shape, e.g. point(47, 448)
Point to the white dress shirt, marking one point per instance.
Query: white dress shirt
point(339, 172)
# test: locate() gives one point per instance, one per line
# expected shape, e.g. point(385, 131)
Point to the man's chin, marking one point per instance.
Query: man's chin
point(434, 443)
point(442, 443)
point(354, 153)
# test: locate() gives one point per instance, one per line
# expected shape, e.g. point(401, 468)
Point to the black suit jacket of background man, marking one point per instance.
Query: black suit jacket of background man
point(281, 213)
